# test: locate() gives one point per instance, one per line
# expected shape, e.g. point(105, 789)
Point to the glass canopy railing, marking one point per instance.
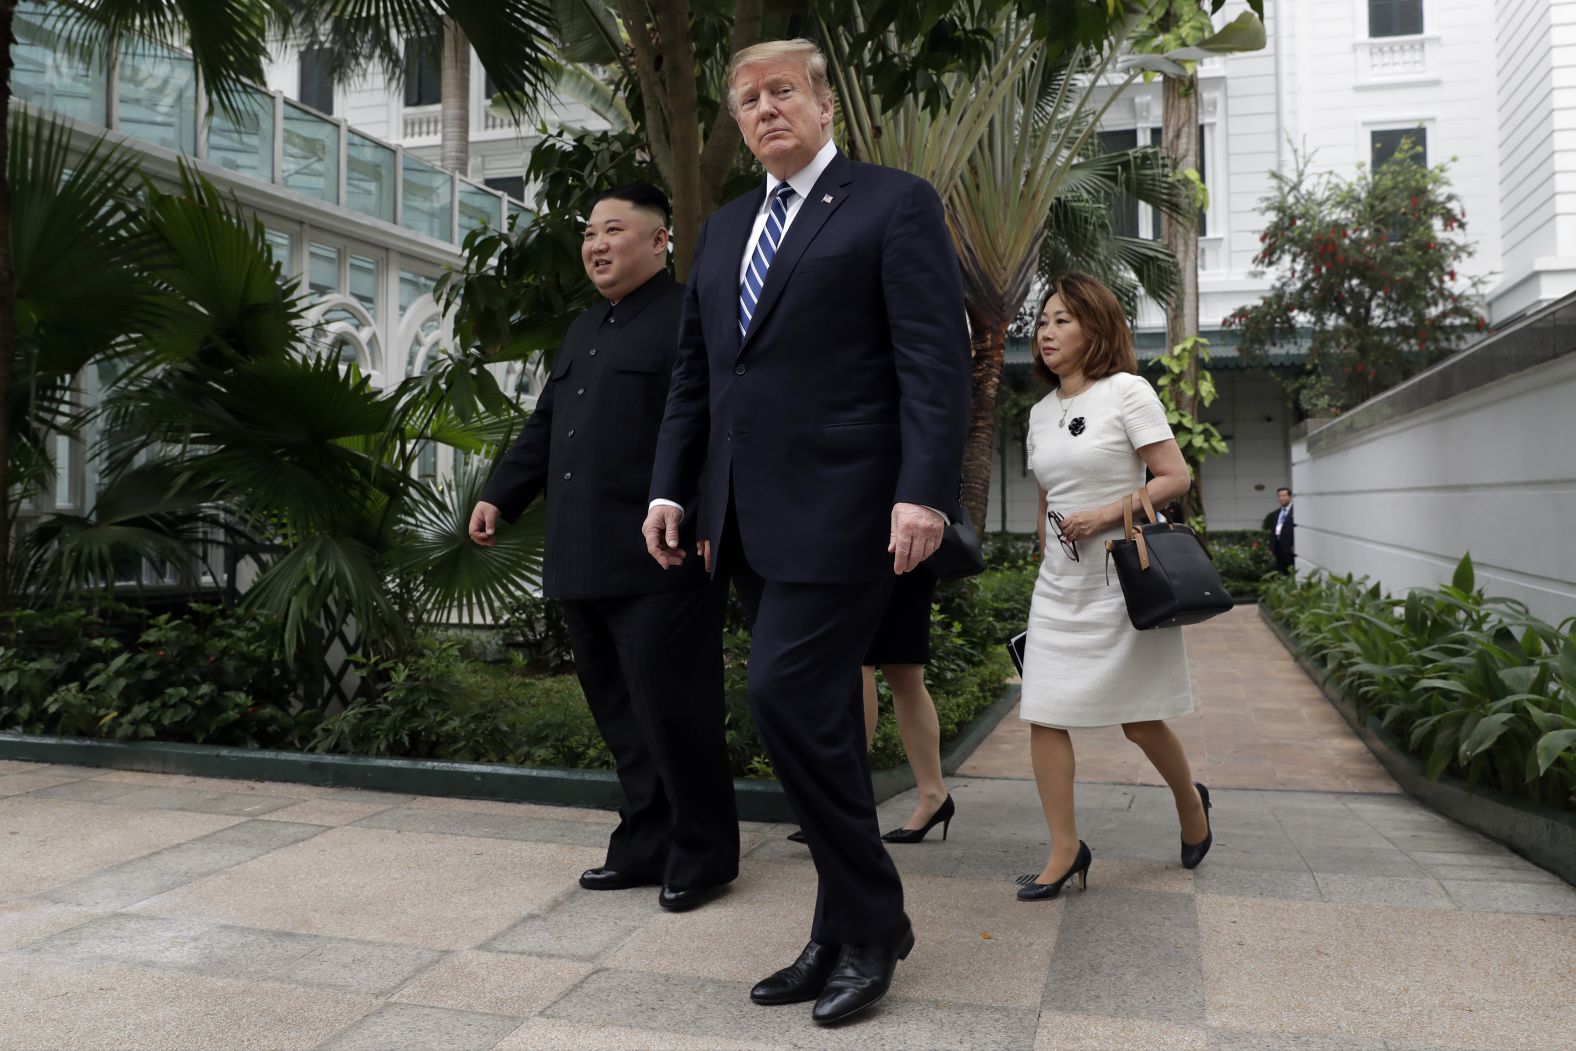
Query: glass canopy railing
point(150, 92)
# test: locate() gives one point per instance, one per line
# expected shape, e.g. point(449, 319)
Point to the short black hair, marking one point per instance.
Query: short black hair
point(641, 195)
point(1283, 489)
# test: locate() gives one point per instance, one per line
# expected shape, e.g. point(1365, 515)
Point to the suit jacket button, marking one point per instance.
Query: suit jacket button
point(738, 370)
point(593, 352)
point(571, 432)
point(567, 474)
point(581, 391)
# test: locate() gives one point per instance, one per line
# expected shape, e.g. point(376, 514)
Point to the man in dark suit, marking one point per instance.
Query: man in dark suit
point(820, 402)
point(647, 644)
point(1283, 535)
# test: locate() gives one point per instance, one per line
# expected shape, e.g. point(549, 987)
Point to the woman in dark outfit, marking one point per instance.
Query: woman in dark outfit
point(901, 649)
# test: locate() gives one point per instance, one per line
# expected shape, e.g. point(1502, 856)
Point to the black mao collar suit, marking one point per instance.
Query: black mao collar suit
point(647, 643)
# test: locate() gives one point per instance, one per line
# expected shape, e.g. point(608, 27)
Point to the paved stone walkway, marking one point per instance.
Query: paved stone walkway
point(162, 912)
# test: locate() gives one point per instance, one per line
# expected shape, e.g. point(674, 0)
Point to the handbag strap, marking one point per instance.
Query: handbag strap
point(1149, 508)
point(1134, 534)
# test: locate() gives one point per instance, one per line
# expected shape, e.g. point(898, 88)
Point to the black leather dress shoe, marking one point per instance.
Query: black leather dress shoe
point(690, 898)
point(612, 879)
point(862, 976)
point(801, 980)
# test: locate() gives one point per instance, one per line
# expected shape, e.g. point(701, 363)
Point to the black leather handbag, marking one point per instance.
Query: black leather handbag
point(1167, 577)
point(959, 554)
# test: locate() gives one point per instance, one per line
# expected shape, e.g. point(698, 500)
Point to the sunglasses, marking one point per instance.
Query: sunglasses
point(1068, 546)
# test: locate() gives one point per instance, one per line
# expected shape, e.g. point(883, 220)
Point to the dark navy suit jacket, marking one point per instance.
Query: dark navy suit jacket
point(850, 391)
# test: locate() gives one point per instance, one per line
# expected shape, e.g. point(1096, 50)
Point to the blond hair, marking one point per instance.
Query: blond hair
point(770, 50)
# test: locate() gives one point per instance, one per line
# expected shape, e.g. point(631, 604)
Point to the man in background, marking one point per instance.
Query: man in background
point(1283, 532)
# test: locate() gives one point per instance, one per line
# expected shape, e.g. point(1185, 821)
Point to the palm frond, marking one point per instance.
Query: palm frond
point(450, 574)
point(322, 583)
point(146, 514)
point(228, 39)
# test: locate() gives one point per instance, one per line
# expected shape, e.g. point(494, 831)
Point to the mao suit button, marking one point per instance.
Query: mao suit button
point(593, 352)
point(738, 370)
point(571, 432)
point(579, 392)
point(567, 474)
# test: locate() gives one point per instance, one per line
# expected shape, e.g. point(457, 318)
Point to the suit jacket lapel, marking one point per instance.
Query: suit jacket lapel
point(830, 191)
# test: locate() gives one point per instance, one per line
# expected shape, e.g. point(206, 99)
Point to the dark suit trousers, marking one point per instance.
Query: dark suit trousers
point(651, 669)
point(806, 643)
point(1285, 558)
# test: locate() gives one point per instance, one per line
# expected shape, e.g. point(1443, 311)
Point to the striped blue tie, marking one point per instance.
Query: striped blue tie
point(761, 260)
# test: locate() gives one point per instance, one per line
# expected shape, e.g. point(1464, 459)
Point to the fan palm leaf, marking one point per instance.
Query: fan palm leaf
point(450, 575)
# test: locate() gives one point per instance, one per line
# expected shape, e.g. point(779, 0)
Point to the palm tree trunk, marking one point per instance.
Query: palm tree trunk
point(455, 116)
point(1180, 142)
point(7, 295)
point(988, 347)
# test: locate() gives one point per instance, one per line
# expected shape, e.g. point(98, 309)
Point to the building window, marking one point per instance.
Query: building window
point(424, 71)
point(1395, 17)
point(513, 185)
point(1383, 145)
point(1124, 206)
point(316, 88)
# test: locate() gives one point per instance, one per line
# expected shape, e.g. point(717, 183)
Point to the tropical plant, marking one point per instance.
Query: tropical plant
point(1473, 685)
point(229, 40)
point(1367, 273)
point(222, 423)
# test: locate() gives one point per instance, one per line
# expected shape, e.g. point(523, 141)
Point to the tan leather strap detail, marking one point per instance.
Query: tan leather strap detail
point(1149, 508)
point(1143, 550)
point(1127, 516)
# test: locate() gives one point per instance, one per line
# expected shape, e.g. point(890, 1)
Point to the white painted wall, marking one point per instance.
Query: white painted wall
point(1488, 472)
point(1251, 413)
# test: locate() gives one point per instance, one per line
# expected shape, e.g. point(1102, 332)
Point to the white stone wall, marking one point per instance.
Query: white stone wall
point(1489, 471)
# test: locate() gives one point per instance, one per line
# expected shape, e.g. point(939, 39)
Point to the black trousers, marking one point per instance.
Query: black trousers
point(806, 642)
point(1285, 558)
point(651, 669)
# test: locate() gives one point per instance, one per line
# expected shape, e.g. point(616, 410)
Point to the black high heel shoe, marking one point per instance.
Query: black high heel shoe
point(1032, 891)
point(942, 817)
point(1193, 853)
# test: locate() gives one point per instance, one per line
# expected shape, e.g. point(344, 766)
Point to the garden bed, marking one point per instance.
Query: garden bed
point(758, 800)
point(1541, 833)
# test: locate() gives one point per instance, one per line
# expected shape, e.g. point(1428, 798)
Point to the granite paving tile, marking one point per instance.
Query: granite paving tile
point(1127, 953)
point(1486, 896)
point(408, 1027)
point(493, 983)
point(488, 826)
point(1402, 891)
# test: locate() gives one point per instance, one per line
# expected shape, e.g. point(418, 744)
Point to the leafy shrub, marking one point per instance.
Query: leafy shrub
point(536, 630)
point(1474, 686)
point(1243, 560)
point(213, 676)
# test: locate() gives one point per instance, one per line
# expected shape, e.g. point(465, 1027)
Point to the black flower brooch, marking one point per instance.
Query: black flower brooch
point(1077, 426)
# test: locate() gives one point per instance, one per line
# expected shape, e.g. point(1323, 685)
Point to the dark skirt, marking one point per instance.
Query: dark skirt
point(904, 634)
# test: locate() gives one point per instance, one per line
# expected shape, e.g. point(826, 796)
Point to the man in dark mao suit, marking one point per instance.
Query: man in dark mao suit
point(820, 402)
point(647, 644)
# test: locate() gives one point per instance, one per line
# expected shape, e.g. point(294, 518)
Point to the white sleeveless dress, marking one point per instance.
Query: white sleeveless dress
point(1084, 662)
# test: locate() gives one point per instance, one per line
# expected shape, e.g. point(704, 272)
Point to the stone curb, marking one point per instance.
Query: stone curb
point(757, 800)
point(1539, 833)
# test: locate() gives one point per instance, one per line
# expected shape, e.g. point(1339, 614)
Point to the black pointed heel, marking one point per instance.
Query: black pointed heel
point(1193, 853)
point(942, 816)
point(1032, 891)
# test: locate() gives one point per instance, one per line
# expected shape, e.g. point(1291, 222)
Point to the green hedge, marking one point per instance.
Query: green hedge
point(1472, 685)
point(505, 696)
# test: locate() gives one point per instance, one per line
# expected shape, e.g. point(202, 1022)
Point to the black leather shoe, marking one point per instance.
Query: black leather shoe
point(943, 817)
point(612, 879)
point(862, 976)
point(796, 836)
point(1193, 853)
point(801, 980)
point(1032, 891)
point(690, 898)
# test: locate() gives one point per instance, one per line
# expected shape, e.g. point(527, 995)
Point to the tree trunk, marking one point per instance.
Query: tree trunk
point(988, 347)
point(455, 115)
point(7, 297)
point(1180, 142)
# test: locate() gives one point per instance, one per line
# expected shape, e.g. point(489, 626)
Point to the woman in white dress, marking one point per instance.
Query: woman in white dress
point(1090, 441)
